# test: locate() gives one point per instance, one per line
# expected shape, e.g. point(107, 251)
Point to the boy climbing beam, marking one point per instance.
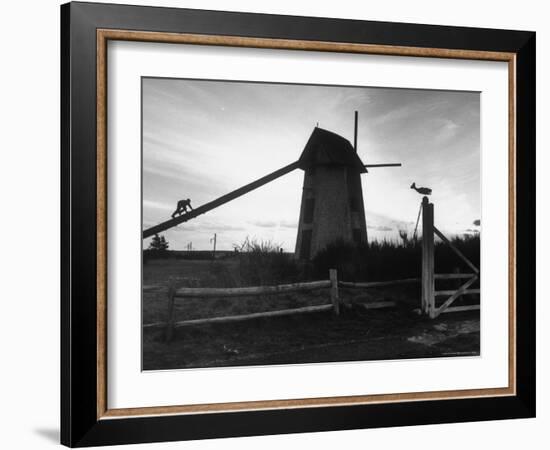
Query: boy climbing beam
point(182, 207)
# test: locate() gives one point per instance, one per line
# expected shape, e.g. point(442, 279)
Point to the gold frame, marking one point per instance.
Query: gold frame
point(103, 36)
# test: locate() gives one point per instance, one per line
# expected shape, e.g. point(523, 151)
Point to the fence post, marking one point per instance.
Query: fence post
point(170, 315)
point(428, 299)
point(333, 275)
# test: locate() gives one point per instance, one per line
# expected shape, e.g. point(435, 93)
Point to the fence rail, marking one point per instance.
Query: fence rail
point(251, 291)
point(452, 291)
point(452, 276)
point(372, 284)
point(461, 308)
point(241, 317)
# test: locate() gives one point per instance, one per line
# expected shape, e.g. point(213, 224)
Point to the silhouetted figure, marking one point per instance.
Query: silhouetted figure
point(182, 207)
point(421, 190)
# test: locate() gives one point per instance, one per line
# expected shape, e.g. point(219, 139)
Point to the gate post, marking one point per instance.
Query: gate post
point(428, 299)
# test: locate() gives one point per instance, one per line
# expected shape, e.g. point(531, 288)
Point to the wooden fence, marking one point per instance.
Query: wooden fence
point(332, 283)
point(186, 293)
point(429, 294)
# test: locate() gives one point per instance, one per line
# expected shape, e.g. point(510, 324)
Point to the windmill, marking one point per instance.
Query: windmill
point(332, 206)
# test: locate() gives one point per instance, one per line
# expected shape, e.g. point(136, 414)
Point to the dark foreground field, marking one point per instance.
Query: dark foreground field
point(356, 334)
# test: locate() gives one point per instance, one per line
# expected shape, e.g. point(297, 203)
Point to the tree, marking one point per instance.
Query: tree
point(158, 243)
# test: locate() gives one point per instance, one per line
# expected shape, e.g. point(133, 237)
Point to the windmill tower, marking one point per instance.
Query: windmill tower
point(332, 207)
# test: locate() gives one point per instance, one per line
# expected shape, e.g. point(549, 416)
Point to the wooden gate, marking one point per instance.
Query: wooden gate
point(429, 277)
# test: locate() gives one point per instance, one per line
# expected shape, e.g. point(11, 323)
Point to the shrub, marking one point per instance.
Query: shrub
point(263, 263)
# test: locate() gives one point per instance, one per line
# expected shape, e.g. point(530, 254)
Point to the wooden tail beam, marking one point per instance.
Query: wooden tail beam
point(219, 201)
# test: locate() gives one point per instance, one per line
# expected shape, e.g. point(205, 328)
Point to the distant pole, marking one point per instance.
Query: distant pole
point(355, 131)
point(214, 240)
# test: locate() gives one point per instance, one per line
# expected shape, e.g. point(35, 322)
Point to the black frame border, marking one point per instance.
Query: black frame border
point(79, 423)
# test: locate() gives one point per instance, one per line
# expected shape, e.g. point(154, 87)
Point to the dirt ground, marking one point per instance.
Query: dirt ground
point(357, 334)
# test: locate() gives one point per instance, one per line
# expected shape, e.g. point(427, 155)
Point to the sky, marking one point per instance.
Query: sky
point(202, 139)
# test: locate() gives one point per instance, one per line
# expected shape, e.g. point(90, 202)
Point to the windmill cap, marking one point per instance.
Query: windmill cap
point(325, 148)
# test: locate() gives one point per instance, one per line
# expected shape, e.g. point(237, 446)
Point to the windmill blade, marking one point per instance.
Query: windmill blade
point(219, 201)
point(384, 165)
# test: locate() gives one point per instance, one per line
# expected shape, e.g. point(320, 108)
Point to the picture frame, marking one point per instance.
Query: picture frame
point(86, 418)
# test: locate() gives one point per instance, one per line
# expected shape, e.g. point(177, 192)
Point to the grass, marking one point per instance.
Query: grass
point(356, 334)
point(390, 260)
point(263, 263)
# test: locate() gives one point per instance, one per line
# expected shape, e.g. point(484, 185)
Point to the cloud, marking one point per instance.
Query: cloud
point(157, 205)
point(274, 224)
point(288, 224)
point(264, 223)
point(379, 227)
point(212, 227)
